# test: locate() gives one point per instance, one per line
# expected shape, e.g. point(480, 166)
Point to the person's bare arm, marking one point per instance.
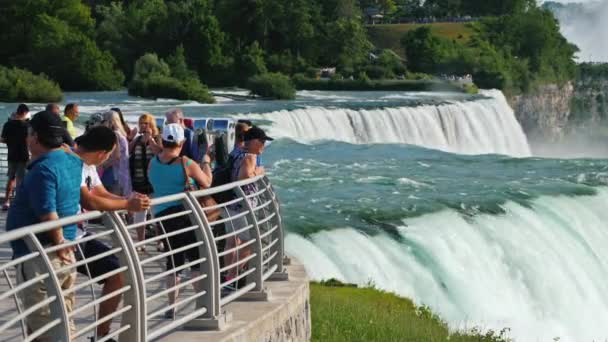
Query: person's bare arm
point(56, 237)
point(201, 174)
point(101, 191)
point(248, 168)
point(93, 201)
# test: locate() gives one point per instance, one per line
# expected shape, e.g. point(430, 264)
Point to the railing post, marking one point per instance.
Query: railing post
point(136, 275)
point(280, 274)
point(212, 319)
point(135, 317)
point(258, 261)
point(53, 288)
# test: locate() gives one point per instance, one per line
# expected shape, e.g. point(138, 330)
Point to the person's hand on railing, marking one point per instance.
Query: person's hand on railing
point(138, 202)
point(66, 254)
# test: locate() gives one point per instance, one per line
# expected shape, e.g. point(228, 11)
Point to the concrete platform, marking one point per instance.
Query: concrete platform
point(284, 317)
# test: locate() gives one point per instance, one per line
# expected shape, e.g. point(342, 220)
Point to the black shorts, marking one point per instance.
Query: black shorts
point(180, 240)
point(97, 267)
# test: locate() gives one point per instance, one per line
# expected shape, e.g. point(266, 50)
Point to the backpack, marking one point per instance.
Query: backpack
point(223, 175)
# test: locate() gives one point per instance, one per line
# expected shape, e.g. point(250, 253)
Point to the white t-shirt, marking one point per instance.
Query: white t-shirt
point(90, 178)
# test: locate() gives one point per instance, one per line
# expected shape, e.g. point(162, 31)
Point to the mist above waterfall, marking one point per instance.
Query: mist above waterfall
point(585, 25)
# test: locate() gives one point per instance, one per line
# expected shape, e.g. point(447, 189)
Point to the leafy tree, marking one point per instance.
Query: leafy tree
point(424, 51)
point(56, 37)
point(346, 44)
point(251, 62)
point(179, 67)
point(148, 65)
point(131, 29)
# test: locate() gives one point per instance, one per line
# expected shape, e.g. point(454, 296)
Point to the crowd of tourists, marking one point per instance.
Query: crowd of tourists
point(55, 172)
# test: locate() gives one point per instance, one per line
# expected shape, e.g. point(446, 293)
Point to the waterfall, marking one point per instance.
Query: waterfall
point(481, 126)
point(540, 270)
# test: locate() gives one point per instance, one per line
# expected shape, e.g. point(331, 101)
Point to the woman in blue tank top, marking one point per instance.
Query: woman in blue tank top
point(167, 175)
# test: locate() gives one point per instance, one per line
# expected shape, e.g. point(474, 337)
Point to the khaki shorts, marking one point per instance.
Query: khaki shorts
point(36, 293)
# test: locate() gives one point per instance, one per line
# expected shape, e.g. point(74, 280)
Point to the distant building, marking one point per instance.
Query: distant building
point(373, 16)
point(327, 72)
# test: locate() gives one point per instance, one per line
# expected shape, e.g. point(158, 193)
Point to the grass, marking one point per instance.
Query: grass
point(348, 313)
point(388, 36)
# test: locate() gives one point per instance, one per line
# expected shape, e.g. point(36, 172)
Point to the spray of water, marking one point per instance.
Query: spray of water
point(585, 25)
point(540, 271)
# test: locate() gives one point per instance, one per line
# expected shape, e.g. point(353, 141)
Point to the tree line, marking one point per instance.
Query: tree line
point(183, 45)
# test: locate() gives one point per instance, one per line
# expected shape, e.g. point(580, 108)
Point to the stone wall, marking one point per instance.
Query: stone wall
point(283, 316)
point(545, 113)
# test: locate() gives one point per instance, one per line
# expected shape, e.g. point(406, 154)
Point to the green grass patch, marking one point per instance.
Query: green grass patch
point(348, 313)
point(388, 36)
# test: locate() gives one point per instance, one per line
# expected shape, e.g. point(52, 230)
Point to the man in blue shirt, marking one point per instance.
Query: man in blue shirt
point(49, 191)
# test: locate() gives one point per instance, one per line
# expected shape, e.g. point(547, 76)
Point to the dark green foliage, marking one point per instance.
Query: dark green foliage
point(512, 52)
point(90, 45)
point(154, 78)
point(377, 72)
point(364, 83)
point(131, 29)
point(390, 60)
point(272, 85)
point(17, 85)
point(251, 63)
point(168, 87)
point(56, 38)
point(285, 63)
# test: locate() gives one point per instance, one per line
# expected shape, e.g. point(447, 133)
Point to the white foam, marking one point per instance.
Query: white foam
point(472, 127)
point(540, 271)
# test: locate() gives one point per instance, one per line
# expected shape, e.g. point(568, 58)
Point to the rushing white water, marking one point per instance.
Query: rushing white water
point(540, 271)
point(471, 127)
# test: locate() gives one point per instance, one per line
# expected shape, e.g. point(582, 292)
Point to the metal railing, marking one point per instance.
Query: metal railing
point(207, 262)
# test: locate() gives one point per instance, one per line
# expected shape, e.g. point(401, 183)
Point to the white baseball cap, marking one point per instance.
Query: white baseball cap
point(173, 133)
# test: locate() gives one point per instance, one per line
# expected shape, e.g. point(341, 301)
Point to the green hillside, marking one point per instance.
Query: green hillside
point(388, 36)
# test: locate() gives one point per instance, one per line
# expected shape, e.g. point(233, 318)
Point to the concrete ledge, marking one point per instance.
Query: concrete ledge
point(285, 316)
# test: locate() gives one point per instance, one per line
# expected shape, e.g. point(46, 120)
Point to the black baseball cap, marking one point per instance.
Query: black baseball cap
point(49, 126)
point(97, 138)
point(256, 133)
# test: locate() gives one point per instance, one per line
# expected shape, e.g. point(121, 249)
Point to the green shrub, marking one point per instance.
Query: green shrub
point(153, 78)
point(157, 86)
point(304, 83)
point(18, 85)
point(148, 65)
point(272, 85)
point(378, 72)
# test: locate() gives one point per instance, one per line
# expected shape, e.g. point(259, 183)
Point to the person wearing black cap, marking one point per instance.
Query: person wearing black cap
point(67, 138)
point(244, 166)
point(49, 191)
point(14, 135)
point(94, 147)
